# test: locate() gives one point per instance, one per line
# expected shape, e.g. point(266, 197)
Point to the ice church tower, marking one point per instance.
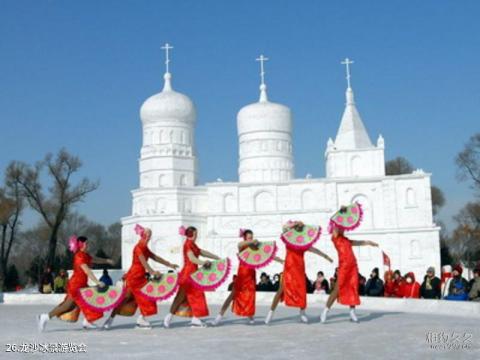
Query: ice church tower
point(265, 139)
point(398, 209)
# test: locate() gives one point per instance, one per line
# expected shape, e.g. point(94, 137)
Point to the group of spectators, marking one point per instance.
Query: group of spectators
point(452, 286)
point(319, 285)
point(51, 283)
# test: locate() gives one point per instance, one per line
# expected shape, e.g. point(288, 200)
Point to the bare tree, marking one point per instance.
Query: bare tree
point(11, 206)
point(468, 161)
point(398, 166)
point(101, 238)
point(53, 206)
point(465, 241)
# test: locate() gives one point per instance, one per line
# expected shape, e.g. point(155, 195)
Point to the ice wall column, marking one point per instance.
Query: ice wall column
point(352, 154)
point(265, 139)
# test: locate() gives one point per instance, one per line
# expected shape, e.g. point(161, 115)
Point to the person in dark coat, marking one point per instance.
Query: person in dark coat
point(374, 285)
point(362, 280)
point(458, 288)
point(46, 282)
point(276, 282)
point(309, 285)
point(265, 284)
point(474, 294)
point(106, 279)
point(431, 285)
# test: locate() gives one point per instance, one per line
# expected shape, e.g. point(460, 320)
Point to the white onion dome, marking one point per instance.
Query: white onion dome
point(264, 116)
point(168, 105)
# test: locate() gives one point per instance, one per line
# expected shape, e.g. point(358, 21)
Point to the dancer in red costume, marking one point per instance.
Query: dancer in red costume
point(346, 286)
point(244, 285)
point(135, 279)
point(188, 295)
point(293, 286)
point(82, 262)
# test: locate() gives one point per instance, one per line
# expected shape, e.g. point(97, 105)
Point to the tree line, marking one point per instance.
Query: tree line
point(51, 188)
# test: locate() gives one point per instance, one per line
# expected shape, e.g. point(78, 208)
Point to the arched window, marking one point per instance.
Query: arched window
point(161, 180)
point(187, 205)
point(368, 216)
point(182, 137)
point(279, 146)
point(183, 180)
point(355, 165)
point(229, 204)
point(264, 201)
point(411, 199)
point(308, 199)
point(146, 181)
point(415, 250)
point(171, 136)
point(161, 205)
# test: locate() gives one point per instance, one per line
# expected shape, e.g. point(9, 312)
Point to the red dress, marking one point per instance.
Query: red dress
point(294, 282)
point(135, 279)
point(80, 280)
point(195, 297)
point(347, 275)
point(244, 291)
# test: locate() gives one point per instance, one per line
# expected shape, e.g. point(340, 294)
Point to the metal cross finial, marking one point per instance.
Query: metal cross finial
point(262, 60)
point(167, 47)
point(347, 62)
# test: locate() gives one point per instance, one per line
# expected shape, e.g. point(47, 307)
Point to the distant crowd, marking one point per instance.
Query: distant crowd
point(451, 286)
point(51, 283)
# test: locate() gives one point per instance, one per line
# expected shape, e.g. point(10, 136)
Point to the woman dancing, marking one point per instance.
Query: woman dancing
point(293, 285)
point(188, 294)
point(135, 279)
point(244, 285)
point(82, 262)
point(346, 286)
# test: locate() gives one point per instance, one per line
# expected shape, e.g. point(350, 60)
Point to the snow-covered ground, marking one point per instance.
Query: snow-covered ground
point(379, 335)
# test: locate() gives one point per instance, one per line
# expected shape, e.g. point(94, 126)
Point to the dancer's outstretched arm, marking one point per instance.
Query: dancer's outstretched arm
point(147, 266)
point(91, 275)
point(320, 253)
point(209, 255)
point(196, 260)
point(102, 261)
point(162, 261)
point(363, 243)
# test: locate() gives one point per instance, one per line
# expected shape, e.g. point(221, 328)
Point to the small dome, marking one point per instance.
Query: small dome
point(264, 116)
point(167, 105)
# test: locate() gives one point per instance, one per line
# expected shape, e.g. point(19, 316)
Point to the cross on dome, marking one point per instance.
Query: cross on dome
point(347, 62)
point(263, 87)
point(167, 47)
point(167, 86)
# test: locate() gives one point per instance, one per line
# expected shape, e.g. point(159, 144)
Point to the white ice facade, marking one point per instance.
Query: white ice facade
point(398, 209)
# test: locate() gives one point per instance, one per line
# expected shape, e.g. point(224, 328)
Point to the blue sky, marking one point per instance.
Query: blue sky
point(74, 75)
